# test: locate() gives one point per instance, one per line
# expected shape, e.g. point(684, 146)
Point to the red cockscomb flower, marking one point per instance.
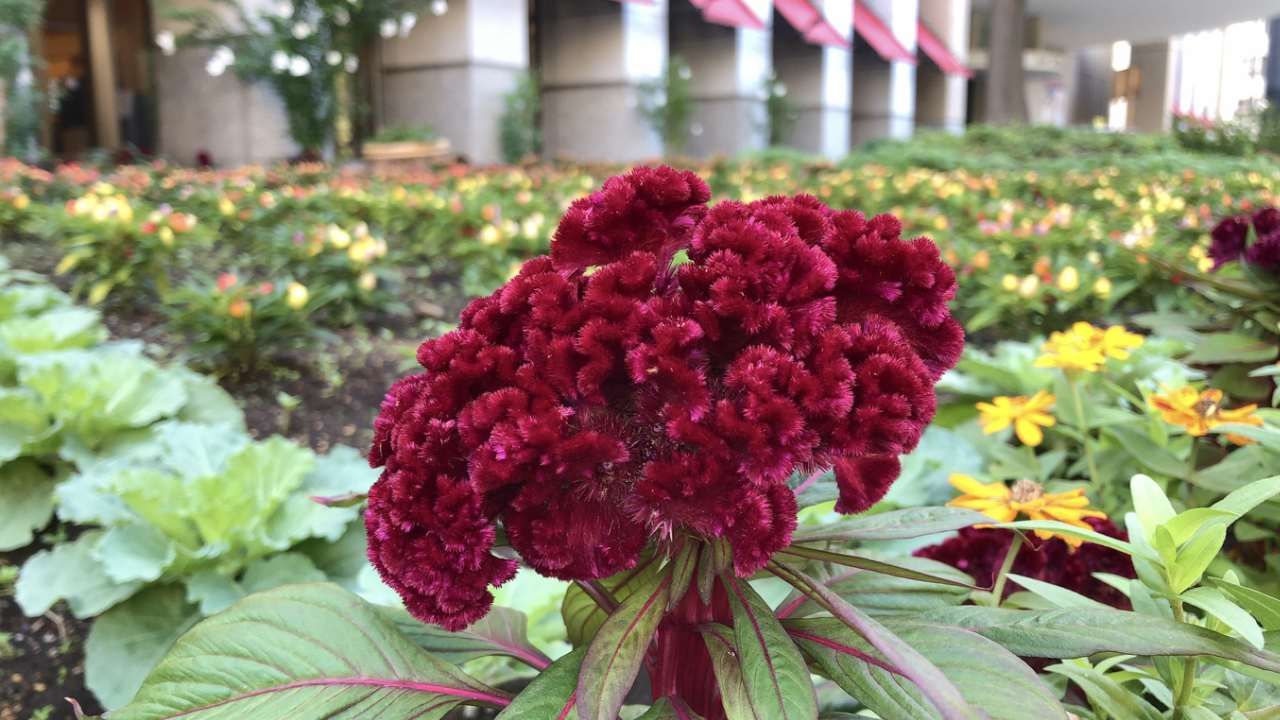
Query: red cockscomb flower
point(979, 552)
point(605, 399)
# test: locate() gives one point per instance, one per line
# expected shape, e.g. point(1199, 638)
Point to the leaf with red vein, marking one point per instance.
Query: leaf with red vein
point(302, 651)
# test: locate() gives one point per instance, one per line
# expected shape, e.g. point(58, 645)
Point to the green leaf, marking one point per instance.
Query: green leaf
point(1241, 501)
point(69, 571)
point(1150, 502)
point(583, 617)
point(503, 631)
point(256, 480)
point(1059, 596)
point(312, 646)
point(26, 502)
point(1094, 537)
point(901, 657)
point(136, 551)
point(617, 651)
point(1188, 522)
point(669, 709)
point(879, 594)
point(1080, 632)
point(342, 471)
point(773, 672)
point(1264, 607)
point(97, 393)
point(1195, 556)
point(207, 402)
point(1223, 348)
point(1146, 452)
point(866, 563)
point(987, 676)
point(727, 665)
point(1108, 694)
point(127, 641)
point(1215, 603)
point(67, 328)
point(683, 566)
point(24, 424)
point(892, 525)
point(552, 693)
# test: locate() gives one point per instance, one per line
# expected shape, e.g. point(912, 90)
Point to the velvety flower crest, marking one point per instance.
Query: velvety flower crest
point(662, 373)
point(1230, 240)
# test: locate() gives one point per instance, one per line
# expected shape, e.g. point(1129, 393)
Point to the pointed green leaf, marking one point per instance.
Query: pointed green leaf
point(1215, 603)
point(583, 617)
point(552, 694)
point(1264, 607)
point(1241, 501)
point(866, 563)
point(313, 647)
point(503, 631)
point(1195, 556)
point(69, 571)
point(1150, 502)
point(617, 651)
point(892, 525)
point(1059, 596)
point(988, 676)
point(1081, 632)
point(1108, 694)
point(726, 662)
point(773, 672)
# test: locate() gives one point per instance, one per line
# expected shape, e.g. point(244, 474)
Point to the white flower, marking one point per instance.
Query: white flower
point(214, 67)
point(333, 57)
point(280, 61)
point(351, 64)
point(407, 21)
point(166, 42)
point(388, 29)
point(341, 17)
point(684, 72)
point(299, 66)
point(224, 55)
point(439, 7)
point(301, 30)
point(284, 8)
point(782, 90)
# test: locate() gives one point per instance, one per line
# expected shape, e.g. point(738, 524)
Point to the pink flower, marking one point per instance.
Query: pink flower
point(604, 400)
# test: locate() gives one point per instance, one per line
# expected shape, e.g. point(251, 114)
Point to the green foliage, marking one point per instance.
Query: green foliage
point(780, 112)
point(668, 105)
point(404, 133)
point(519, 129)
point(21, 102)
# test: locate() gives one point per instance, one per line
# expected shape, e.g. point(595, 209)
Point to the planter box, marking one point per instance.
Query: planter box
point(393, 157)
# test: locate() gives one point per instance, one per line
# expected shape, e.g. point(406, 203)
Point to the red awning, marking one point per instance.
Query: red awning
point(939, 53)
point(878, 35)
point(809, 21)
point(734, 13)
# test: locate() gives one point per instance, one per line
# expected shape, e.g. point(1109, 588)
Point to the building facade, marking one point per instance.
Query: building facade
point(853, 71)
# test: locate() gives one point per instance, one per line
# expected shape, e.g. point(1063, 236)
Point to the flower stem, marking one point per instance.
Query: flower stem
point(1084, 432)
point(1002, 577)
point(1188, 669)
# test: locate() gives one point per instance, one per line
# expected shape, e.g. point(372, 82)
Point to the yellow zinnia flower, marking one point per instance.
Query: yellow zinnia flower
point(296, 295)
point(1026, 414)
point(1200, 412)
point(1028, 498)
point(1085, 347)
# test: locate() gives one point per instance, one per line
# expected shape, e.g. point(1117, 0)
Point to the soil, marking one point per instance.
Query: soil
point(333, 396)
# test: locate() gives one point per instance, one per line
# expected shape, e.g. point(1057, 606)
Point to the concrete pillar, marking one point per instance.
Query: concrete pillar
point(453, 71)
point(730, 67)
point(884, 93)
point(818, 80)
point(942, 99)
point(595, 57)
point(102, 67)
point(1151, 106)
point(1273, 61)
point(1006, 87)
point(233, 121)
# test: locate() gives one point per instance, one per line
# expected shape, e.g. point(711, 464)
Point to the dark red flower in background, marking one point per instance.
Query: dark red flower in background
point(980, 552)
point(1230, 240)
point(606, 398)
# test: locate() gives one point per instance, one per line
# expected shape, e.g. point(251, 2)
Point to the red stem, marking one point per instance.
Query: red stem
point(679, 664)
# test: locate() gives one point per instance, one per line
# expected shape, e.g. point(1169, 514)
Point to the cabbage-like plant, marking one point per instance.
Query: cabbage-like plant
point(642, 413)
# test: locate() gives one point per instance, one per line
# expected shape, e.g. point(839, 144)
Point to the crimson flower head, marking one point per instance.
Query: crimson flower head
point(1230, 240)
point(659, 375)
